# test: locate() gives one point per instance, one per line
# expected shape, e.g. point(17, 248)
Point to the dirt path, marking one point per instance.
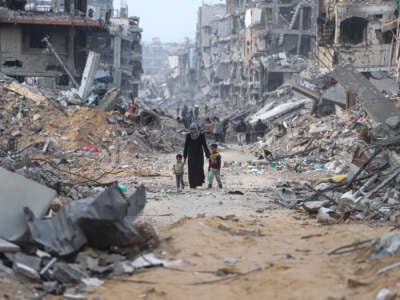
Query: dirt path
point(246, 246)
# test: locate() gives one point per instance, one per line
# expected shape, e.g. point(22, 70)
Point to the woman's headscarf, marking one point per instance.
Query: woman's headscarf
point(195, 135)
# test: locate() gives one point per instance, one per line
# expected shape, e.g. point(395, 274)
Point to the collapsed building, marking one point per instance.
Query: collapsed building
point(247, 48)
point(49, 41)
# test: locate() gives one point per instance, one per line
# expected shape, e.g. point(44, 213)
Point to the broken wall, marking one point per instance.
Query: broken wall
point(23, 53)
point(355, 33)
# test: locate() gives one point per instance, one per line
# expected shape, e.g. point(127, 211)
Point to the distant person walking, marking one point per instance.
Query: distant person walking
point(260, 128)
point(194, 150)
point(241, 129)
point(196, 112)
point(185, 116)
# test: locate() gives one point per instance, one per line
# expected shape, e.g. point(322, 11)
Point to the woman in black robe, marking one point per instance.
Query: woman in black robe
point(195, 146)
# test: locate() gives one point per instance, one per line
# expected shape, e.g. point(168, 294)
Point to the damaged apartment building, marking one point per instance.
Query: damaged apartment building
point(357, 33)
point(49, 41)
point(247, 48)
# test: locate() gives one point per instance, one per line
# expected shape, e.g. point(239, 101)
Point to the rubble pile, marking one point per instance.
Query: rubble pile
point(351, 159)
point(28, 117)
point(60, 170)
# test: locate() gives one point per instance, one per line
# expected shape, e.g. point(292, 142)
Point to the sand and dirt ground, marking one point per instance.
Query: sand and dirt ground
point(247, 246)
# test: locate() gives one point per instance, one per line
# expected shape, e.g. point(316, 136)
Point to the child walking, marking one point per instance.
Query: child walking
point(214, 166)
point(178, 171)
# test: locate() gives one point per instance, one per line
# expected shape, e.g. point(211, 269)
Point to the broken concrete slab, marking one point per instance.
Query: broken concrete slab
point(387, 245)
point(26, 271)
point(122, 268)
point(6, 246)
point(79, 222)
point(18, 192)
point(268, 113)
point(68, 273)
point(109, 99)
point(91, 284)
point(150, 260)
point(314, 206)
point(33, 262)
point(377, 106)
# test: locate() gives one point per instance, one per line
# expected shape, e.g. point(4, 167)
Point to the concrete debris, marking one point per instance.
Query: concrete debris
point(385, 294)
point(91, 284)
point(325, 216)
point(26, 271)
point(150, 260)
point(19, 192)
point(387, 245)
point(6, 246)
point(79, 222)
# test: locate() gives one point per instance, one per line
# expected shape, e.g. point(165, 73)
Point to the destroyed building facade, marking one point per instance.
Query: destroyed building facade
point(248, 48)
point(73, 28)
point(356, 33)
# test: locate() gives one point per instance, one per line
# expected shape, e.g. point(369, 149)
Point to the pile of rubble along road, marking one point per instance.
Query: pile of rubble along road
point(352, 161)
point(63, 148)
point(61, 170)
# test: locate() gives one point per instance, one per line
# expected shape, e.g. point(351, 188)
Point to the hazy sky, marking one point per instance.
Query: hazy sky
point(170, 20)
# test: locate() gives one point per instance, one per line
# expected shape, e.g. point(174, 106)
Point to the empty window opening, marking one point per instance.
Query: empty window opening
point(36, 35)
point(275, 80)
point(386, 37)
point(13, 63)
point(353, 30)
point(306, 18)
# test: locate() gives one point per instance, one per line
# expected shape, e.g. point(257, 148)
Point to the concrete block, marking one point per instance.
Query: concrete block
point(8, 247)
point(68, 273)
point(16, 192)
point(26, 271)
point(33, 262)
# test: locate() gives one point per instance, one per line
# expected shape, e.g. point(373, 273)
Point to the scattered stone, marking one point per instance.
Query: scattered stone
point(324, 216)
point(91, 284)
point(123, 268)
point(223, 226)
point(108, 259)
point(260, 210)
point(68, 273)
point(72, 294)
point(230, 261)
point(53, 287)
point(233, 218)
point(385, 294)
point(26, 271)
point(6, 246)
point(42, 254)
point(314, 206)
point(388, 245)
point(25, 259)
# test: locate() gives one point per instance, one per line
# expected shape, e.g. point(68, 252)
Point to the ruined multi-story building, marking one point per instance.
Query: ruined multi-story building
point(253, 46)
point(276, 33)
point(357, 33)
point(73, 28)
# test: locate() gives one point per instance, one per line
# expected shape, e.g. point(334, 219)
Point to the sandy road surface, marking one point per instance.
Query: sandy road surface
point(270, 254)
